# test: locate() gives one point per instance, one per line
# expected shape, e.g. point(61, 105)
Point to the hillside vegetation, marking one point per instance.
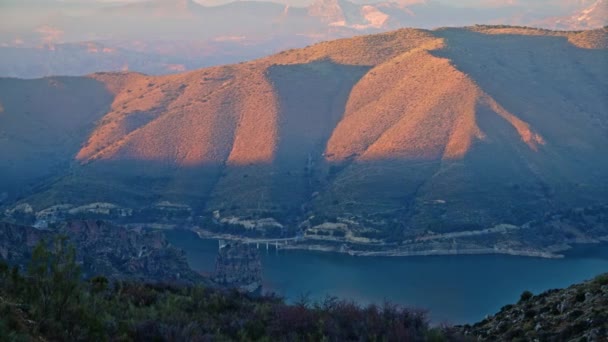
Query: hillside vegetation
point(577, 313)
point(452, 129)
point(50, 302)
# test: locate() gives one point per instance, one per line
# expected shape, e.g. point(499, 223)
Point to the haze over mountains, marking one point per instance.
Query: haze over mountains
point(590, 17)
point(168, 36)
point(451, 129)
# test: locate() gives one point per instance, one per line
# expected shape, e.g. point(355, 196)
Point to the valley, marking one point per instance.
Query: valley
point(332, 170)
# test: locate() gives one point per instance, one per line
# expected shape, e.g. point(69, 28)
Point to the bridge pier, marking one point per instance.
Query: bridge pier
point(221, 244)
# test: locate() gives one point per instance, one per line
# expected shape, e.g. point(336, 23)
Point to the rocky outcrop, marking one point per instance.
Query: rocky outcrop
point(17, 242)
point(239, 265)
point(104, 249)
point(578, 313)
point(120, 252)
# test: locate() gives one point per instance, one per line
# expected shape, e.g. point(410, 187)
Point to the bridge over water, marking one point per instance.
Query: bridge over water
point(268, 242)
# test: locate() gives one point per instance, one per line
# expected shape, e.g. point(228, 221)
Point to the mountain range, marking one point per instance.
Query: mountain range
point(166, 36)
point(404, 133)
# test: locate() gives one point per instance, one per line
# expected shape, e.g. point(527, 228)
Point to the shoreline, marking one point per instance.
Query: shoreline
point(308, 245)
point(432, 252)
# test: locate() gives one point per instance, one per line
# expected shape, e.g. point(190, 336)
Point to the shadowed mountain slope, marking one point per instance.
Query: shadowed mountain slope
point(43, 123)
point(446, 130)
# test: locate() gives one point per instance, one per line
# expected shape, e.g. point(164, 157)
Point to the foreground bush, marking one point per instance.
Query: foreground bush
point(51, 302)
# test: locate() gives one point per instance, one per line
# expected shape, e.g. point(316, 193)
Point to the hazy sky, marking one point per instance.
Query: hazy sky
point(456, 3)
point(24, 17)
point(463, 3)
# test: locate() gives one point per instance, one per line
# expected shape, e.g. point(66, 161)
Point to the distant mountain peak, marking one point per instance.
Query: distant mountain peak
point(166, 7)
point(347, 14)
point(591, 17)
point(175, 3)
point(181, 5)
point(329, 10)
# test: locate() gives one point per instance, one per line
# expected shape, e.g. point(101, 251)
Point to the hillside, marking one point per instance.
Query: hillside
point(579, 312)
point(398, 135)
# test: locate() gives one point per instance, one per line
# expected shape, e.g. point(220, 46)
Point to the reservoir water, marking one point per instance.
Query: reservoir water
point(453, 289)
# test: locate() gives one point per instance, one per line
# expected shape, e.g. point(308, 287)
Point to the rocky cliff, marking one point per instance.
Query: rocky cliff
point(239, 265)
point(104, 249)
point(17, 242)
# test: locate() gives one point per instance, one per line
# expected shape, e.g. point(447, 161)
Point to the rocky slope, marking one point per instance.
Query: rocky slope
point(404, 134)
point(238, 266)
point(577, 313)
point(104, 249)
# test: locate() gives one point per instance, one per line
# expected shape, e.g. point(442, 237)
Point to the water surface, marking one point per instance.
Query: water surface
point(454, 289)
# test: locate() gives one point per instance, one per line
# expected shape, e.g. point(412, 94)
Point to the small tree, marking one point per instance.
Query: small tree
point(525, 296)
point(53, 284)
point(99, 284)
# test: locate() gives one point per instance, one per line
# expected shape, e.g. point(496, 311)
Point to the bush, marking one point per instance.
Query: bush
point(601, 280)
point(529, 314)
point(506, 307)
point(580, 296)
point(575, 314)
point(62, 307)
point(525, 296)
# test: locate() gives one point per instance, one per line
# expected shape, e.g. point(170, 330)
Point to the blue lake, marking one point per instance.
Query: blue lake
point(453, 289)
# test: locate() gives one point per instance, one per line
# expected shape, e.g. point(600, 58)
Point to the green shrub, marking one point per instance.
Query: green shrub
point(506, 307)
point(61, 307)
point(580, 296)
point(525, 296)
point(601, 280)
point(575, 314)
point(529, 314)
